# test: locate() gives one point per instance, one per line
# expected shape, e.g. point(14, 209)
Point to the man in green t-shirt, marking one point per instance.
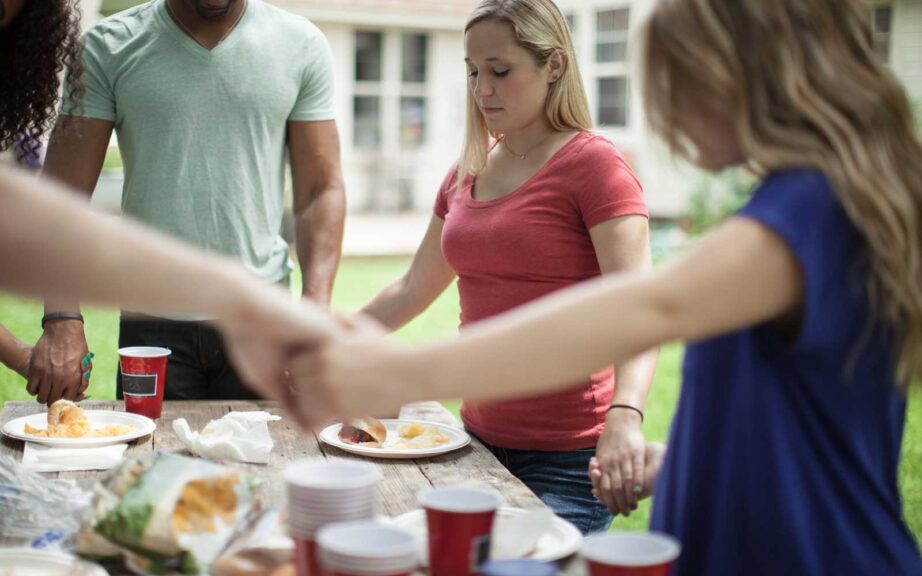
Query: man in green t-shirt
point(205, 96)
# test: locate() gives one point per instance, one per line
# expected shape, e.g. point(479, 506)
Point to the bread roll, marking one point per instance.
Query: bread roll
point(64, 412)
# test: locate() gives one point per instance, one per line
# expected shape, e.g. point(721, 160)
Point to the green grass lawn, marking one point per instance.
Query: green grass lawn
point(357, 281)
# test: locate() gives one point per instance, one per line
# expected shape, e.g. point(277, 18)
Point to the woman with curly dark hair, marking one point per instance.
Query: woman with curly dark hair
point(39, 40)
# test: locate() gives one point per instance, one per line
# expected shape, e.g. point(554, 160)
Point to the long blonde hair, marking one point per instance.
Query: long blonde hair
point(803, 87)
point(539, 28)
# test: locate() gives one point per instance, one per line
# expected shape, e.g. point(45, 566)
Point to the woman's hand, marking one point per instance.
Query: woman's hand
point(357, 373)
point(617, 471)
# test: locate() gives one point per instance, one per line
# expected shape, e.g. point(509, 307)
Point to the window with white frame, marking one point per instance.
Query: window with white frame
point(396, 90)
point(881, 25)
point(611, 67)
point(366, 103)
point(611, 35)
point(414, 58)
point(613, 101)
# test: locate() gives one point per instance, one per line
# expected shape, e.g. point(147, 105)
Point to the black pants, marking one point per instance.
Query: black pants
point(197, 369)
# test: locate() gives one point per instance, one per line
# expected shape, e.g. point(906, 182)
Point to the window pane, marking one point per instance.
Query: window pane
point(367, 122)
point(368, 56)
point(613, 20)
point(611, 52)
point(883, 18)
point(612, 35)
point(613, 101)
point(414, 57)
point(412, 121)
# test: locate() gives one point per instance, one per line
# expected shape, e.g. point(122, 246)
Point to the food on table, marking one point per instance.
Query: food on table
point(415, 436)
point(366, 431)
point(371, 433)
point(169, 514)
point(67, 420)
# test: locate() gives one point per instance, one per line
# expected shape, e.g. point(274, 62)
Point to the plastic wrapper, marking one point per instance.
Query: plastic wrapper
point(37, 511)
point(167, 514)
point(264, 548)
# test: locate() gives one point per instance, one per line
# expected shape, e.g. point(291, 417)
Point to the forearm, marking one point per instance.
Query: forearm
point(75, 156)
point(634, 378)
point(54, 246)
point(13, 351)
point(397, 304)
point(319, 242)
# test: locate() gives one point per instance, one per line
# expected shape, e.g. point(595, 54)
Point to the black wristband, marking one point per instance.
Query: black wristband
point(629, 407)
point(52, 316)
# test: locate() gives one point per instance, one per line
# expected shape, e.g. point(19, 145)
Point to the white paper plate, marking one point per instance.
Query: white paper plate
point(558, 540)
point(457, 438)
point(31, 562)
point(97, 418)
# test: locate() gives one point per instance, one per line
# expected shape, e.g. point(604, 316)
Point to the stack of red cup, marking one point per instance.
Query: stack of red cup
point(366, 548)
point(322, 492)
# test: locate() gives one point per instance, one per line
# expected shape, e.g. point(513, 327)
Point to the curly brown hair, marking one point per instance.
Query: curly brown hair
point(35, 50)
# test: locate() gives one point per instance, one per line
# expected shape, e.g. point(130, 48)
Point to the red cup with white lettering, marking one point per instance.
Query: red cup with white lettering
point(630, 554)
point(143, 371)
point(459, 522)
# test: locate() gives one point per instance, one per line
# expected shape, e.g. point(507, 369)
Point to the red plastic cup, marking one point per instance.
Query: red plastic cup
point(630, 554)
point(143, 378)
point(306, 562)
point(459, 523)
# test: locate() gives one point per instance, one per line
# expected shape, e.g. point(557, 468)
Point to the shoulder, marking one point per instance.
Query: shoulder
point(114, 32)
point(804, 191)
point(589, 149)
point(292, 26)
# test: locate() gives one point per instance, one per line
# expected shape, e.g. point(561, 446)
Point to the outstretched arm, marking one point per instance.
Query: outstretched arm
point(742, 275)
point(408, 296)
point(46, 235)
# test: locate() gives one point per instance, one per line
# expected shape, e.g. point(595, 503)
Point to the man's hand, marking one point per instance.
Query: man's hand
point(56, 367)
point(619, 459)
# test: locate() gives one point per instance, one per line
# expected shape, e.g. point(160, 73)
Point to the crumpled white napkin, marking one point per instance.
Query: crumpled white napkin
point(240, 436)
point(41, 458)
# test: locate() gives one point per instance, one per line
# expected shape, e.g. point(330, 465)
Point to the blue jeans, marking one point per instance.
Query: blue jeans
point(561, 481)
point(198, 368)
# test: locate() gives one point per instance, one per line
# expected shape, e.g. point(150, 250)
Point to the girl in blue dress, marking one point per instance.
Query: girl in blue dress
point(802, 313)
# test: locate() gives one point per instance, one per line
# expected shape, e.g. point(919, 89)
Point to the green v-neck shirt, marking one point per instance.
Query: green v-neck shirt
point(202, 133)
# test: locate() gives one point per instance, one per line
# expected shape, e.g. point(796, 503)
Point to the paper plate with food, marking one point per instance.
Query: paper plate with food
point(517, 533)
point(394, 439)
point(32, 562)
point(66, 424)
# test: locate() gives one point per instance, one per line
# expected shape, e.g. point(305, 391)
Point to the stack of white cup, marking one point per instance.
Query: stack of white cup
point(366, 548)
point(322, 491)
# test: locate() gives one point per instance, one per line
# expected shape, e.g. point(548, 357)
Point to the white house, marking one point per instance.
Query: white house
point(400, 89)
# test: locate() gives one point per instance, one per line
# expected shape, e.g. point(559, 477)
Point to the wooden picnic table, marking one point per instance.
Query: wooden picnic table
point(473, 464)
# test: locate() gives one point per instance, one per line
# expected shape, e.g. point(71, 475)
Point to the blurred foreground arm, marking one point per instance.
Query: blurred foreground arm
point(53, 245)
point(742, 275)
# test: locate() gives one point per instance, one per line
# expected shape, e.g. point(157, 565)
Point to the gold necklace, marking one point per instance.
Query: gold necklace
point(524, 155)
point(190, 34)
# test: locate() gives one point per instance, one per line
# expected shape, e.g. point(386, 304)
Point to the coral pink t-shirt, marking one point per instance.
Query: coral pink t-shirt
point(525, 245)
